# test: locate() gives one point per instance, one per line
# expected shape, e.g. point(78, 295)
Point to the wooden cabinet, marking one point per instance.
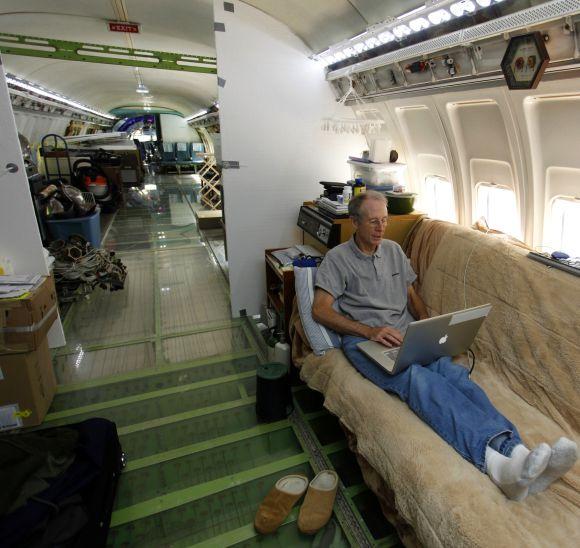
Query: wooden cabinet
point(280, 289)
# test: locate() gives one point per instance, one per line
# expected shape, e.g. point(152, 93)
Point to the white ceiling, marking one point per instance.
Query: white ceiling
point(179, 26)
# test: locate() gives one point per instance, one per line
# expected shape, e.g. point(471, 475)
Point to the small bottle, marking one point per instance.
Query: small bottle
point(359, 186)
point(346, 194)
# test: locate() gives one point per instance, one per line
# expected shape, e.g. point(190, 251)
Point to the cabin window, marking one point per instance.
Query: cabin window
point(438, 199)
point(565, 225)
point(497, 204)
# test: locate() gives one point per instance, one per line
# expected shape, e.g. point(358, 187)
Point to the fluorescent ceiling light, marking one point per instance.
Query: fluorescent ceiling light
point(412, 12)
point(438, 12)
point(198, 114)
point(439, 16)
point(460, 8)
point(419, 24)
point(402, 30)
point(386, 37)
point(50, 95)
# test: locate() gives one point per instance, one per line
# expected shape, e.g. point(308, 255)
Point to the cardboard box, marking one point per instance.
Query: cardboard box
point(25, 322)
point(27, 387)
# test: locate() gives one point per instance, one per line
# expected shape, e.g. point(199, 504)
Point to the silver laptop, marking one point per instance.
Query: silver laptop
point(427, 340)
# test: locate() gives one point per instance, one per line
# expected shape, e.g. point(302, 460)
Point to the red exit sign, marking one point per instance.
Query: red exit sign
point(122, 26)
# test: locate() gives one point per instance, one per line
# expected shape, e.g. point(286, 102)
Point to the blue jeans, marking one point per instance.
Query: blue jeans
point(444, 397)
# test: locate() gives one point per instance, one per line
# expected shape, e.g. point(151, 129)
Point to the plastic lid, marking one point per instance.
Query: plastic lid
point(272, 371)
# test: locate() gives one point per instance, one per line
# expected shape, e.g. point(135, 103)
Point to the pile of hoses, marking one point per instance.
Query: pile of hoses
point(77, 263)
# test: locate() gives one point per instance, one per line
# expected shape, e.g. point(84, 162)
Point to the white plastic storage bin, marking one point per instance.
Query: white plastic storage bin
point(378, 174)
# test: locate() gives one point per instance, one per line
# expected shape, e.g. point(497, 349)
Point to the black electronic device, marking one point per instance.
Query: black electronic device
point(319, 225)
point(571, 266)
point(332, 189)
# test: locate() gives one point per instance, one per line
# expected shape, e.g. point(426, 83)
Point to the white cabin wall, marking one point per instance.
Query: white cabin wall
point(524, 140)
point(35, 126)
point(271, 108)
point(176, 130)
point(21, 241)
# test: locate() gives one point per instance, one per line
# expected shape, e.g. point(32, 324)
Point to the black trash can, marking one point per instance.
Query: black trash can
point(273, 392)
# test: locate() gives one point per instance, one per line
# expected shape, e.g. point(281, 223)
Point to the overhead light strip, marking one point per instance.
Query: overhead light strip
point(18, 83)
point(393, 29)
point(198, 114)
point(535, 15)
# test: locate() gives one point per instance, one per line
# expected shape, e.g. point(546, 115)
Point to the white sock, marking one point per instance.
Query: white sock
point(514, 474)
point(564, 455)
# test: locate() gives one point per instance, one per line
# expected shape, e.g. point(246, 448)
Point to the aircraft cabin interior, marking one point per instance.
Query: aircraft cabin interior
point(289, 273)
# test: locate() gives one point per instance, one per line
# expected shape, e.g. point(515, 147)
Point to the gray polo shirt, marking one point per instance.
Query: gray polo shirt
point(371, 289)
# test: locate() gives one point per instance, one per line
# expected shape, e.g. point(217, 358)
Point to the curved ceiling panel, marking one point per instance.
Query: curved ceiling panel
point(168, 25)
point(321, 23)
point(110, 86)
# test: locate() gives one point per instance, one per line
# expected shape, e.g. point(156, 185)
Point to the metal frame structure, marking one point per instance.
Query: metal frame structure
point(32, 46)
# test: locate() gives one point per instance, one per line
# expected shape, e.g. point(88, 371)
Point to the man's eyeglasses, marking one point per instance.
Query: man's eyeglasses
point(378, 222)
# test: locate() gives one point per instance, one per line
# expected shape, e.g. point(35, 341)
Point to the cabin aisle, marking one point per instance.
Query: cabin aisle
point(164, 359)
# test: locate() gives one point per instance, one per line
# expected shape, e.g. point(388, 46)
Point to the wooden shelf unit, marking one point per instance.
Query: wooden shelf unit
point(280, 289)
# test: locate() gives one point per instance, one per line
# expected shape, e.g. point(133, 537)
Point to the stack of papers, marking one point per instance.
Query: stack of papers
point(333, 207)
point(286, 256)
point(14, 286)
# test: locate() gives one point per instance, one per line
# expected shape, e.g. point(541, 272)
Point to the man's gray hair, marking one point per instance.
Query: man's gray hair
point(355, 205)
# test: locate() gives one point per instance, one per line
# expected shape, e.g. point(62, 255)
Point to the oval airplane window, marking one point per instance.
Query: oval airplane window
point(438, 199)
point(497, 204)
point(564, 226)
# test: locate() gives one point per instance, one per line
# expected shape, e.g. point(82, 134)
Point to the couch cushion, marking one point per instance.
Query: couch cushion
point(446, 500)
point(320, 338)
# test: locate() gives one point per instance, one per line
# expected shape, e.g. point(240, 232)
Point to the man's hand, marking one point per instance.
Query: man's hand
point(385, 335)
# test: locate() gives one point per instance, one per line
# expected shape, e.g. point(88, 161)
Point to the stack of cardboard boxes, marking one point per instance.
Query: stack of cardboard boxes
point(27, 381)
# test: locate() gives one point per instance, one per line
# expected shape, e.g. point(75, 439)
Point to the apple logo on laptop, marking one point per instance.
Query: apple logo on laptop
point(443, 340)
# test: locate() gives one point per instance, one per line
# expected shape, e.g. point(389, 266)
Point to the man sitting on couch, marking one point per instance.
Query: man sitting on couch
point(364, 292)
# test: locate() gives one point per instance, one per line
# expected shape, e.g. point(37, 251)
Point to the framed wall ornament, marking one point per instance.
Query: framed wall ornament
point(525, 61)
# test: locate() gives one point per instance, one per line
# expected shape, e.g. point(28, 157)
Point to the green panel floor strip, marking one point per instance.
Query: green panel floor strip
point(241, 534)
point(355, 490)
point(149, 383)
point(68, 351)
point(315, 415)
point(205, 328)
point(253, 344)
point(389, 542)
point(190, 494)
point(216, 326)
point(159, 357)
point(147, 396)
point(335, 447)
point(205, 445)
point(184, 416)
point(140, 373)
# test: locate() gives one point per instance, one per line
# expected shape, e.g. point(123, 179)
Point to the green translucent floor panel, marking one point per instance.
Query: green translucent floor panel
point(331, 536)
point(123, 389)
point(187, 432)
point(164, 406)
point(193, 291)
point(309, 401)
point(370, 510)
point(152, 245)
point(202, 519)
point(249, 385)
point(82, 366)
point(346, 466)
point(204, 345)
point(108, 317)
point(327, 429)
point(155, 481)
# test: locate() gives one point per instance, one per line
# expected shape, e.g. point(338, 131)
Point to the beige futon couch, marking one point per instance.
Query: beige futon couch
point(528, 354)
